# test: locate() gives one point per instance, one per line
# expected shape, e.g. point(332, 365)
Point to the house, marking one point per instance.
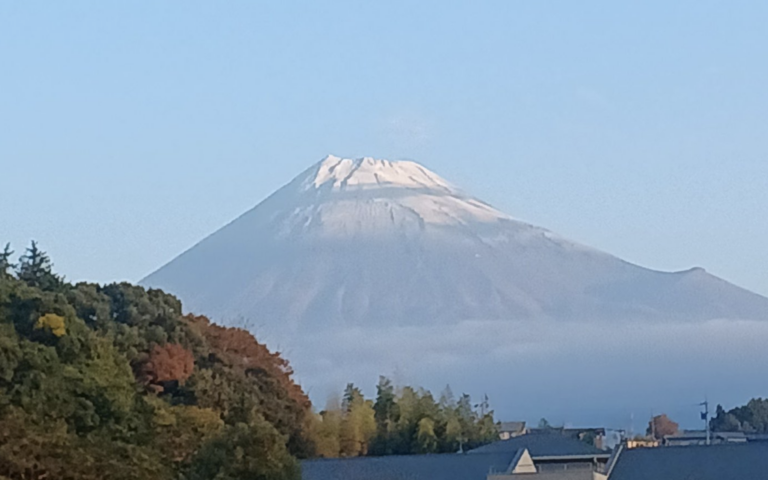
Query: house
point(641, 443)
point(509, 430)
point(548, 455)
point(699, 437)
point(596, 436)
point(538, 457)
point(566, 467)
point(757, 437)
point(551, 444)
point(726, 461)
point(447, 466)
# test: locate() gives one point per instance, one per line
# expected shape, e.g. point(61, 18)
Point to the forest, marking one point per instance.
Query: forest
point(400, 422)
point(115, 379)
point(749, 418)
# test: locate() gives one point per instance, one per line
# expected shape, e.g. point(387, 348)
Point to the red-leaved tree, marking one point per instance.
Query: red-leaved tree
point(169, 363)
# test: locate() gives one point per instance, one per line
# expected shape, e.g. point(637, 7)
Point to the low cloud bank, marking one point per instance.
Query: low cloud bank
point(573, 373)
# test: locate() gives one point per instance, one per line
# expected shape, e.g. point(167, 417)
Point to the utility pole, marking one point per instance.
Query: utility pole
point(705, 417)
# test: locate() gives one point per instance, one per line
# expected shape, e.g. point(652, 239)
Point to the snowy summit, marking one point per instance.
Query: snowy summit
point(348, 174)
point(369, 196)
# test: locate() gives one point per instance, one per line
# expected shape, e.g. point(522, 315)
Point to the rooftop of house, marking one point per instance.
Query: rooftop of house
point(568, 430)
point(512, 427)
point(408, 467)
point(730, 461)
point(495, 458)
point(541, 445)
point(700, 436)
point(703, 434)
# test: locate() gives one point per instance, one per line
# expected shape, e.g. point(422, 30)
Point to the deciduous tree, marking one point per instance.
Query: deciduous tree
point(661, 425)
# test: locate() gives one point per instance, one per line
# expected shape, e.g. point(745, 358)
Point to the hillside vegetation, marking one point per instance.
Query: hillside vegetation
point(749, 418)
point(115, 382)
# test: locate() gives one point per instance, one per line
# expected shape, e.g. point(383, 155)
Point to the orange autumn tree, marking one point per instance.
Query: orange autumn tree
point(266, 389)
point(239, 349)
point(662, 425)
point(167, 364)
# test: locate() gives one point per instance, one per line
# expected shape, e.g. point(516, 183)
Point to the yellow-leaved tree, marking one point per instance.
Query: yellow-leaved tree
point(52, 323)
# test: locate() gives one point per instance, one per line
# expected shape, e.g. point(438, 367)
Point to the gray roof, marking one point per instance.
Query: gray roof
point(541, 445)
point(512, 426)
point(408, 467)
point(696, 435)
point(699, 462)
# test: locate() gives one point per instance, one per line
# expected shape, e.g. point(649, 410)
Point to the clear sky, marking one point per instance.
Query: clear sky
point(130, 130)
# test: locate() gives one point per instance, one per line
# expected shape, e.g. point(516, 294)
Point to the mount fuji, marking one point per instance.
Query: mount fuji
point(354, 242)
point(374, 255)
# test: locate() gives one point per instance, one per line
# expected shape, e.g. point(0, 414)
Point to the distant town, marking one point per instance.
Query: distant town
point(556, 453)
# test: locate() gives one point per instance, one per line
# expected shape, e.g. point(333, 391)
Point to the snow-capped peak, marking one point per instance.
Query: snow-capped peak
point(344, 196)
point(365, 173)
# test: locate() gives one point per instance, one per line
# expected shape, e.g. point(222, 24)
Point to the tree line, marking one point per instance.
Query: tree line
point(749, 418)
point(402, 421)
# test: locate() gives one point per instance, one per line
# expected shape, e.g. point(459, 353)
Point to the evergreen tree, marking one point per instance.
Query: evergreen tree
point(36, 270)
point(5, 261)
point(447, 400)
point(467, 420)
point(407, 422)
point(386, 415)
point(351, 395)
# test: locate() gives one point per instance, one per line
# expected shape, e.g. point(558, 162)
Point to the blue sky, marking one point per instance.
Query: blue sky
point(130, 130)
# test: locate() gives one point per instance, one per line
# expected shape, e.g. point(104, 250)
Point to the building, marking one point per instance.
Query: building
point(551, 456)
point(447, 466)
point(641, 443)
point(596, 436)
point(509, 430)
point(726, 461)
point(538, 457)
point(699, 437)
point(566, 467)
point(542, 445)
